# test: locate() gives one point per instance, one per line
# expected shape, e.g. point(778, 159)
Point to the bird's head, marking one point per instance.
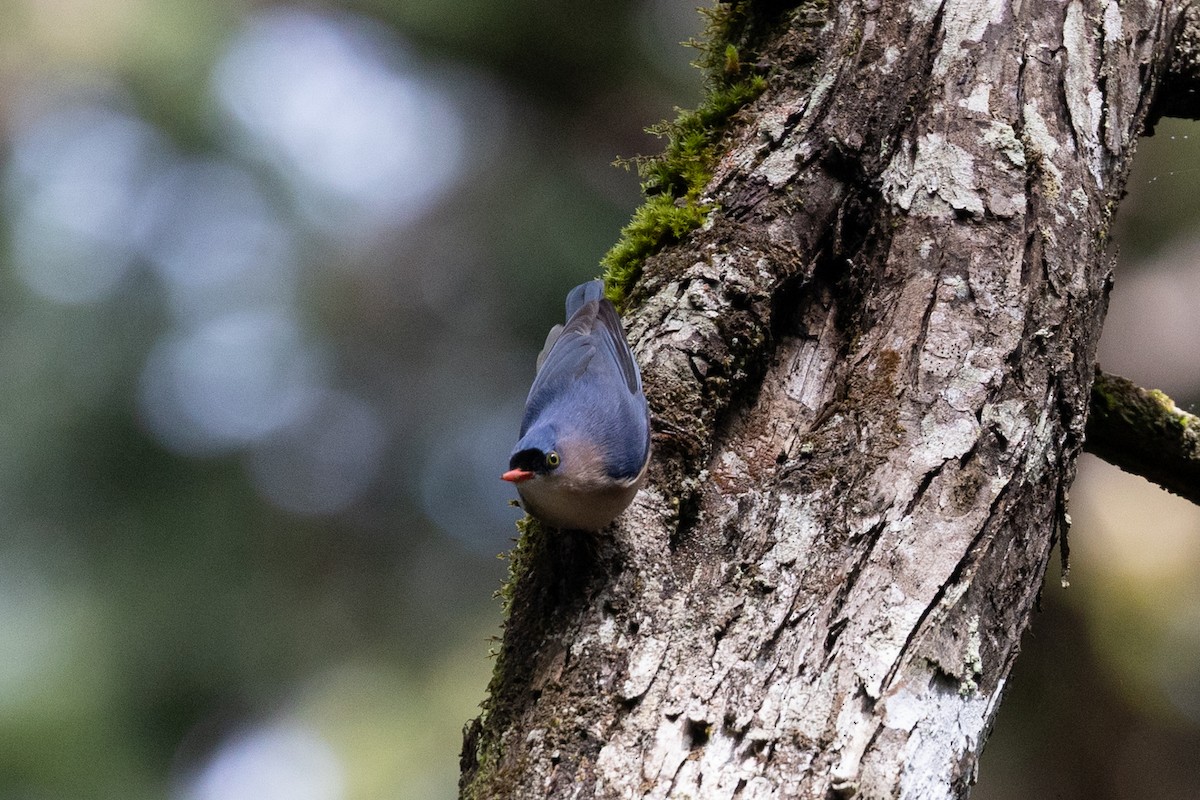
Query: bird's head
point(565, 480)
point(531, 462)
point(546, 457)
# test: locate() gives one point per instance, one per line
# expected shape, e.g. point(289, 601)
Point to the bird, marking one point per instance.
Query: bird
point(585, 435)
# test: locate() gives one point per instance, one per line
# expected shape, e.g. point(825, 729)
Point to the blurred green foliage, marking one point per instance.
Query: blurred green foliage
point(156, 608)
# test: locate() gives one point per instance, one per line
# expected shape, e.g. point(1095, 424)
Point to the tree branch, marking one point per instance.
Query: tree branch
point(1179, 94)
point(1144, 433)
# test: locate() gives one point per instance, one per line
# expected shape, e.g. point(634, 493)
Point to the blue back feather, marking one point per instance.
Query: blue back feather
point(583, 293)
point(589, 386)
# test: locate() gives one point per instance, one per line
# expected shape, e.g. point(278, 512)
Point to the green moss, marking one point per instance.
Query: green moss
point(686, 165)
point(1163, 399)
point(1102, 396)
point(674, 181)
point(519, 559)
point(657, 223)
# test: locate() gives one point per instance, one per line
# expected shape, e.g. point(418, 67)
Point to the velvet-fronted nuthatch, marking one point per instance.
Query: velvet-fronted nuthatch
point(585, 436)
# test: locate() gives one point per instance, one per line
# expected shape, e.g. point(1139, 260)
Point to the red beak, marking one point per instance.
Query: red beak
point(517, 475)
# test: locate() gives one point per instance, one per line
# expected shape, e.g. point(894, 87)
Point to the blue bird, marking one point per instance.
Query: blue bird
point(585, 436)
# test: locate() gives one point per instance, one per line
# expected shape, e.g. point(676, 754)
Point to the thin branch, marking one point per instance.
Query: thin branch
point(1143, 432)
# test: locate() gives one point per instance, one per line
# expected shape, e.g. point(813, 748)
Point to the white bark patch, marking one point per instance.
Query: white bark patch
point(801, 528)
point(807, 380)
point(1113, 26)
point(717, 780)
point(939, 180)
point(949, 339)
point(1037, 133)
point(969, 387)
point(945, 726)
point(1008, 419)
point(925, 11)
point(855, 728)
point(1078, 203)
point(779, 167)
point(783, 150)
point(1039, 448)
point(644, 661)
point(964, 23)
point(944, 439)
point(817, 95)
point(773, 123)
point(670, 750)
point(1001, 136)
point(1084, 100)
point(980, 99)
point(1116, 139)
point(606, 633)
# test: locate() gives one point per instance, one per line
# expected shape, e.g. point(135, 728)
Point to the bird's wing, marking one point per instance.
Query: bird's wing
point(603, 323)
point(551, 338)
point(594, 328)
point(578, 297)
point(610, 338)
point(584, 293)
point(565, 359)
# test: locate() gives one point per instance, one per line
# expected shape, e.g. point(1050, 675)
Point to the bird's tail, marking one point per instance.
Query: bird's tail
point(584, 293)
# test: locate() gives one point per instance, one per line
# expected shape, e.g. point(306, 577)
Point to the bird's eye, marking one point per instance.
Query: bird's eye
point(552, 459)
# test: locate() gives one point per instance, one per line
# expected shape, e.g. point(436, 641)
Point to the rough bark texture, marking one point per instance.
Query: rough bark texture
point(869, 375)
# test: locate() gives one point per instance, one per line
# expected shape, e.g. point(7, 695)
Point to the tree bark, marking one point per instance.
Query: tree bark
point(869, 374)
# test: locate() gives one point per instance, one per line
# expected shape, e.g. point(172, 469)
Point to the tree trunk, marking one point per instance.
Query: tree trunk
point(869, 373)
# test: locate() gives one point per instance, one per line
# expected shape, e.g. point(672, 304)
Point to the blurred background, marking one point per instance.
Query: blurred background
point(272, 278)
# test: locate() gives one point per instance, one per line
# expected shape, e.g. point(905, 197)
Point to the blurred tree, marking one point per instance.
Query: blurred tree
point(868, 339)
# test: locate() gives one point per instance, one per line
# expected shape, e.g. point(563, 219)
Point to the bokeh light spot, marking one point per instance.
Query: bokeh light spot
point(217, 243)
point(72, 186)
point(285, 761)
point(335, 104)
point(230, 382)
